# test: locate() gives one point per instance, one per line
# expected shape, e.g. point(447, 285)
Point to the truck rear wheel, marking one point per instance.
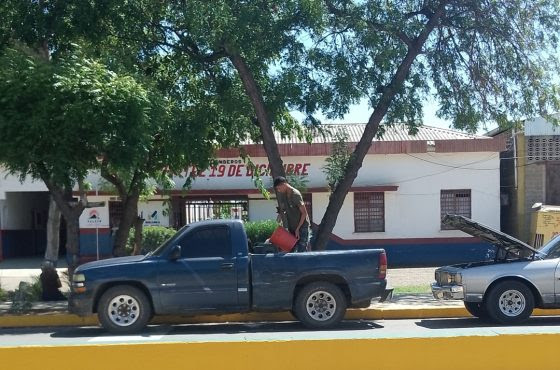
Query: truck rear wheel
point(124, 309)
point(320, 305)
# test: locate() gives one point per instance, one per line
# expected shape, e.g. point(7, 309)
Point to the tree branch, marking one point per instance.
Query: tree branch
point(113, 179)
point(255, 95)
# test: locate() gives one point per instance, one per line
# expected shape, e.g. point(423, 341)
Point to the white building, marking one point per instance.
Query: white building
point(405, 185)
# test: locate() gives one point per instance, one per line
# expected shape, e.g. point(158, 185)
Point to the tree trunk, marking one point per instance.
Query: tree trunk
point(53, 233)
point(73, 241)
point(71, 210)
point(339, 194)
point(130, 214)
point(50, 281)
point(255, 95)
point(138, 227)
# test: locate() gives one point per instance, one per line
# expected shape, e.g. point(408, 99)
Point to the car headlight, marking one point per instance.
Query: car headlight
point(79, 278)
point(455, 278)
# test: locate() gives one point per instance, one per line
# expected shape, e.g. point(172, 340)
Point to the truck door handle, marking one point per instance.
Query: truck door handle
point(227, 266)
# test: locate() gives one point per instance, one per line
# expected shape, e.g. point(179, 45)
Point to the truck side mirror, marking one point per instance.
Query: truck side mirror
point(175, 253)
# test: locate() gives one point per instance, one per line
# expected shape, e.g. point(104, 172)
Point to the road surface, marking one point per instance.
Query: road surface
point(284, 331)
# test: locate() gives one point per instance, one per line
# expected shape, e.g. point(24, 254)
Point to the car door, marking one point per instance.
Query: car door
point(204, 277)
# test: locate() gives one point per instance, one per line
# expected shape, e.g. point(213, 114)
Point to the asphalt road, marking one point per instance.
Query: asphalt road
point(239, 332)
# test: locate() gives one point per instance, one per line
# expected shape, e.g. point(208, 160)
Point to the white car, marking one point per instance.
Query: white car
point(508, 287)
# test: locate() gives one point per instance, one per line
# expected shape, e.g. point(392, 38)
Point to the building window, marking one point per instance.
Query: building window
point(369, 212)
point(216, 208)
point(455, 202)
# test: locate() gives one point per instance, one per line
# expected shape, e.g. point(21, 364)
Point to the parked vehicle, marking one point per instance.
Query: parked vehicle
point(207, 268)
point(507, 288)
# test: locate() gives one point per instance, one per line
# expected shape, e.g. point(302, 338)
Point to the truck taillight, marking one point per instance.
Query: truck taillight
point(382, 265)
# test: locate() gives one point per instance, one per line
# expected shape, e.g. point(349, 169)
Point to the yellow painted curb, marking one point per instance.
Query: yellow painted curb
point(418, 312)
point(457, 353)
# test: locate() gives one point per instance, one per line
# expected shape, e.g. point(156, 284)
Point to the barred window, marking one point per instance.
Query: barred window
point(369, 212)
point(455, 202)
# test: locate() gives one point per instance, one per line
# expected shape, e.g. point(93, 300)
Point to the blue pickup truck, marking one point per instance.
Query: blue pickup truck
point(207, 267)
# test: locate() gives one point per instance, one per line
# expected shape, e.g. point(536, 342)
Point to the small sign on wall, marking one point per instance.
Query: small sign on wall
point(154, 213)
point(97, 217)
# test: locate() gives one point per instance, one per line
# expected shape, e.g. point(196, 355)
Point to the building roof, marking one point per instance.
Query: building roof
point(540, 126)
point(396, 133)
point(395, 140)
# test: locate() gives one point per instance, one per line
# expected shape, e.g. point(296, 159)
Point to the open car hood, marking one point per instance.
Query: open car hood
point(508, 244)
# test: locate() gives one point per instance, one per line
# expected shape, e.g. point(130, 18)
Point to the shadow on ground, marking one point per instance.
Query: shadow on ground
point(201, 329)
point(464, 323)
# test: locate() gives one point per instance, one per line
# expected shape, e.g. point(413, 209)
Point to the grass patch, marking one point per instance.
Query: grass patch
point(412, 289)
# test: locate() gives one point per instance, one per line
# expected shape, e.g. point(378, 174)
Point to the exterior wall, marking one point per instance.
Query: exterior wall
point(535, 177)
point(412, 235)
point(262, 209)
point(20, 234)
point(413, 211)
point(10, 183)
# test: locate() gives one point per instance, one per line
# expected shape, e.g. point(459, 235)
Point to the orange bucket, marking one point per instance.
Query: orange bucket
point(283, 239)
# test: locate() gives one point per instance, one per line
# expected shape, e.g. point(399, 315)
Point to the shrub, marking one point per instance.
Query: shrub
point(3, 295)
point(24, 296)
point(152, 237)
point(259, 231)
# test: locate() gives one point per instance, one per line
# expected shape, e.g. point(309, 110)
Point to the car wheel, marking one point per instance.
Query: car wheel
point(320, 305)
point(477, 309)
point(510, 302)
point(124, 309)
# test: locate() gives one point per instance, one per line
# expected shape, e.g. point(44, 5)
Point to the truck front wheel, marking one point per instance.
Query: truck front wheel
point(477, 309)
point(320, 305)
point(510, 302)
point(124, 309)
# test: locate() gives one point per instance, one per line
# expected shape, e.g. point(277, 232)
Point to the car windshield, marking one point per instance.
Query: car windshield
point(552, 248)
point(159, 250)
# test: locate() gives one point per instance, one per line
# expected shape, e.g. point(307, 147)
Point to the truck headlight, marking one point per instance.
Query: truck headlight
point(79, 278)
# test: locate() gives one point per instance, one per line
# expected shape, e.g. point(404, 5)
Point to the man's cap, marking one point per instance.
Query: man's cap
point(279, 180)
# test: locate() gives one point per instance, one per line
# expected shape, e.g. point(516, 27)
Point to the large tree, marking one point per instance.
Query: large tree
point(483, 60)
point(181, 126)
point(55, 116)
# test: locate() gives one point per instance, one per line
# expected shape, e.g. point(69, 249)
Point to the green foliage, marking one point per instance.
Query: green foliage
point(259, 231)
point(3, 295)
point(335, 165)
point(152, 237)
point(57, 117)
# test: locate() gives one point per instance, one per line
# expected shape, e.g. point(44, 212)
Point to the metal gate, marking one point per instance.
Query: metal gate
point(199, 210)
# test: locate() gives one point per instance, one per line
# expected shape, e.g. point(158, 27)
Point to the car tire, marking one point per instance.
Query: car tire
point(320, 305)
point(477, 309)
point(124, 309)
point(510, 302)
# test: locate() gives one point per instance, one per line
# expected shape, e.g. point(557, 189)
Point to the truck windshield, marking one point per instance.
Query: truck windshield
point(159, 250)
point(552, 248)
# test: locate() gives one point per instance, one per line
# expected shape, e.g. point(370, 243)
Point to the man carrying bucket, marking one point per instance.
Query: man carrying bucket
point(292, 212)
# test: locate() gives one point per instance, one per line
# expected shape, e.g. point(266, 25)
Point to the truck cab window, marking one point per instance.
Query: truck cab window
point(207, 242)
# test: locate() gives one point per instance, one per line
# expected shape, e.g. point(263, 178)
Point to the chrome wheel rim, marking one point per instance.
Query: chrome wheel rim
point(512, 303)
point(123, 310)
point(321, 305)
